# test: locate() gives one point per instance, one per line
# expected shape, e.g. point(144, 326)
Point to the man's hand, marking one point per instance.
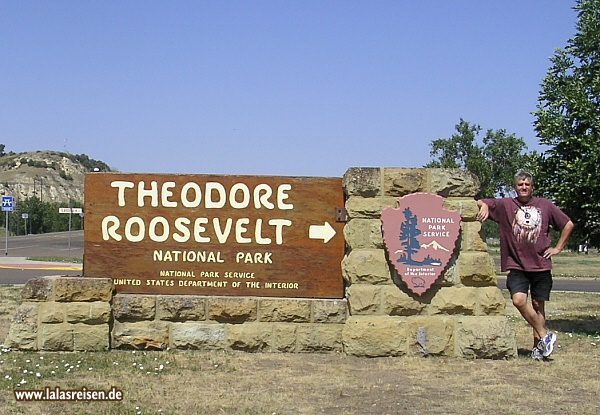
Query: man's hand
point(484, 211)
point(552, 251)
point(565, 233)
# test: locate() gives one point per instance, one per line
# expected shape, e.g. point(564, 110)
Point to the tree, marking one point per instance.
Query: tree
point(495, 161)
point(408, 237)
point(44, 217)
point(568, 121)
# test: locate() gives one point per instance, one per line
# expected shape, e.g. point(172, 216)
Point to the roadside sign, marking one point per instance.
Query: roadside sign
point(215, 235)
point(7, 206)
point(25, 216)
point(70, 210)
point(7, 203)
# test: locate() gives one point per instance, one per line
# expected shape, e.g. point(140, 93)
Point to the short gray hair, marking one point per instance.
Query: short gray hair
point(523, 175)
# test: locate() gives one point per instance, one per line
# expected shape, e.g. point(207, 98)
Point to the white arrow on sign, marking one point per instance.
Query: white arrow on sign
point(324, 232)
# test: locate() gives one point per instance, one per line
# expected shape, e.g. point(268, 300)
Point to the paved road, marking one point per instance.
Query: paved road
point(566, 284)
point(16, 269)
point(59, 244)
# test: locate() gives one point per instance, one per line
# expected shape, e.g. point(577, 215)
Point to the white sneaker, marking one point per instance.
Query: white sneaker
point(536, 354)
point(546, 345)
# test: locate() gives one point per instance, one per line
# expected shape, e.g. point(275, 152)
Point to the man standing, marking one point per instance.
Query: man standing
point(526, 252)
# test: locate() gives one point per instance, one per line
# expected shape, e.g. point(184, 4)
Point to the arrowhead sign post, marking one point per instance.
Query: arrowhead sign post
point(215, 235)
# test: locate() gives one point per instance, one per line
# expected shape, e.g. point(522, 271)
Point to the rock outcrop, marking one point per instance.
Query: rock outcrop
point(51, 176)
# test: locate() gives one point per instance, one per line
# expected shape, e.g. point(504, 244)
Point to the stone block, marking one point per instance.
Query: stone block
point(314, 338)
point(100, 313)
point(93, 338)
point(232, 309)
point(431, 336)
point(97, 312)
point(466, 206)
point(23, 330)
point(490, 301)
point(330, 311)
point(476, 268)
point(485, 337)
point(284, 337)
point(181, 308)
point(453, 183)
point(56, 337)
point(364, 299)
point(52, 312)
point(371, 336)
point(403, 181)
point(364, 233)
point(284, 310)
point(472, 237)
point(77, 312)
point(152, 335)
point(396, 302)
point(454, 300)
point(362, 181)
point(204, 336)
point(369, 207)
point(134, 307)
point(70, 289)
point(366, 266)
point(249, 337)
point(38, 289)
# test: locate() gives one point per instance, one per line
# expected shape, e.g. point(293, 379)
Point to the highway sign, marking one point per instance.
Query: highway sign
point(7, 203)
point(215, 235)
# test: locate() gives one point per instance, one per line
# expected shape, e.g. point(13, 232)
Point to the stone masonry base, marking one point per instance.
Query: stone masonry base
point(74, 313)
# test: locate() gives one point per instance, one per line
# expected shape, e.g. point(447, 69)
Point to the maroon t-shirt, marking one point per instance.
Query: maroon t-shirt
point(525, 231)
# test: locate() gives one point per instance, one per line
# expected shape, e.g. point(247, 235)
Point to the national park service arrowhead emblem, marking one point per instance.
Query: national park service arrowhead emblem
point(420, 237)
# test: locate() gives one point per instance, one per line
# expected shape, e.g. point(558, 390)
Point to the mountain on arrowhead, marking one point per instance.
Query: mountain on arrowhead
point(435, 245)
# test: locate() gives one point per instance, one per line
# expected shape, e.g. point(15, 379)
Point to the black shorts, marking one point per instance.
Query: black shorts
point(540, 283)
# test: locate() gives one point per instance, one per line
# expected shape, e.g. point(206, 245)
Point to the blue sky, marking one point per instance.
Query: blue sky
point(285, 88)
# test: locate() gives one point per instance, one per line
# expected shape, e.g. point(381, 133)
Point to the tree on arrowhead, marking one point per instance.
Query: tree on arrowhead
point(408, 237)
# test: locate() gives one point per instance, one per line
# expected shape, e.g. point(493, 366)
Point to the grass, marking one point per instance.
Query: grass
point(200, 382)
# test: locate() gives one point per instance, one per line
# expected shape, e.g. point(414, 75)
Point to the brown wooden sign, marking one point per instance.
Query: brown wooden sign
point(215, 235)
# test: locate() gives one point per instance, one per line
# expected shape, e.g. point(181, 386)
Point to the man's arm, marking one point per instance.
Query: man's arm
point(484, 211)
point(565, 234)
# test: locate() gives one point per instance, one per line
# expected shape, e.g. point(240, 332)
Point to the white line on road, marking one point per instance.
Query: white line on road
point(23, 247)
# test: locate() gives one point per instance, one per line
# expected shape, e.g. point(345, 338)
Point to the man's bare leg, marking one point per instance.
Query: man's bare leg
point(539, 306)
point(535, 318)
